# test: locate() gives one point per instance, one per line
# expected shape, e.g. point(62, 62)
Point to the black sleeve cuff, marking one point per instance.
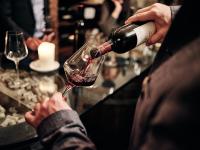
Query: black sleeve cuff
point(56, 121)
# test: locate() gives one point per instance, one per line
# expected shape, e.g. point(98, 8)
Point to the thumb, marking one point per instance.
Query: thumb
point(57, 97)
point(29, 117)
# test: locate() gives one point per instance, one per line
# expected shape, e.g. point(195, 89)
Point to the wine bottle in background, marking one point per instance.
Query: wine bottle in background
point(125, 38)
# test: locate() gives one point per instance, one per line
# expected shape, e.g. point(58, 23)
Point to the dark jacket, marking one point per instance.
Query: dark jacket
point(63, 130)
point(166, 116)
point(17, 15)
point(162, 117)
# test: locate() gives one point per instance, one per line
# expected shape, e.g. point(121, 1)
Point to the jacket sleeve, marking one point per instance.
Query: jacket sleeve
point(63, 130)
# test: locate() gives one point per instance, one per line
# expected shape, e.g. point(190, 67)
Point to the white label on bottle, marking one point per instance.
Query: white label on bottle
point(144, 32)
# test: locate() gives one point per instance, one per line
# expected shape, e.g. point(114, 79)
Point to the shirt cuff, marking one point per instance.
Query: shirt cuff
point(56, 121)
point(174, 10)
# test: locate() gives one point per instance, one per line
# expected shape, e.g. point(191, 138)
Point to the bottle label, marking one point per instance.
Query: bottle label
point(144, 32)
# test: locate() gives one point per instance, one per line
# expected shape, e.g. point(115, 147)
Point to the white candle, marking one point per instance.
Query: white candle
point(46, 53)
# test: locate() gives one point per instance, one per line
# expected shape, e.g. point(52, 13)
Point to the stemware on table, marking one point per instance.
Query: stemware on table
point(15, 48)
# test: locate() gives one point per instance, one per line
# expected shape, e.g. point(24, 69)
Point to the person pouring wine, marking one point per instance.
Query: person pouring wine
point(155, 125)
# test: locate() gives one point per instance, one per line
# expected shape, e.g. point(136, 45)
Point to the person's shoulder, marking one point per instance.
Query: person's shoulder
point(180, 68)
point(187, 56)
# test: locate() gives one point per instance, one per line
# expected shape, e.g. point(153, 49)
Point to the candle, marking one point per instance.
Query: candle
point(46, 53)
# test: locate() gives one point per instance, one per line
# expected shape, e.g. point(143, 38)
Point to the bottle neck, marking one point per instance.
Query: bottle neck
point(102, 49)
point(105, 47)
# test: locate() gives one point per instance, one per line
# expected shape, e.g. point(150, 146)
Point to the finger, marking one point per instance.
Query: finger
point(38, 42)
point(29, 117)
point(37, 106)
point(51, 107)
point(155, 38)
point(56, 97)
point(59, 103)
point(146, 16)
point(33, 45)
point(44, 103)
point(36, 109)
point(143, 10)
point(45, 38)
point(44, 108)
point(50, 37)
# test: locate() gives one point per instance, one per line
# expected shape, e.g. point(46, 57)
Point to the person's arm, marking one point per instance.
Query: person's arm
point(9, 24)
point(118, 8)
point(108, 22)
point(58, 126)
point(64, 130)
point(160, 14)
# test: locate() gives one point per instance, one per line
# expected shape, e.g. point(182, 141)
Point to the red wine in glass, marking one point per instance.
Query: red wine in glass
point(81, 69)
point(83, 77)
point(79, 80)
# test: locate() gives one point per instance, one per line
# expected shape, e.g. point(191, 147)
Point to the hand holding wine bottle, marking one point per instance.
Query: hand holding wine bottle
point(125, 38)
point(148, 25)
point(160, 14)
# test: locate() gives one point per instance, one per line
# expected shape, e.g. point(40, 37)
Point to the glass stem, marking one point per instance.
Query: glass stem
point(68, 87)
point(17, 69)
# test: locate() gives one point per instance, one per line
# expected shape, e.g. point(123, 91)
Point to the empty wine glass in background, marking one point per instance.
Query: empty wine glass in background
point(15, 48)
point(80, 69)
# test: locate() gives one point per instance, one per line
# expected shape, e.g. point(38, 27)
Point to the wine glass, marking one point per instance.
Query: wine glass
point(80, 69)
point(15, 48)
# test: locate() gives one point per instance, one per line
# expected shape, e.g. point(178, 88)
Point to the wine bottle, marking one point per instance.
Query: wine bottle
point(125, 38)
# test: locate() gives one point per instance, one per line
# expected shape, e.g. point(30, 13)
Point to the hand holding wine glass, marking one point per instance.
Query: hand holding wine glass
point(15, 48)
point(81, 69)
